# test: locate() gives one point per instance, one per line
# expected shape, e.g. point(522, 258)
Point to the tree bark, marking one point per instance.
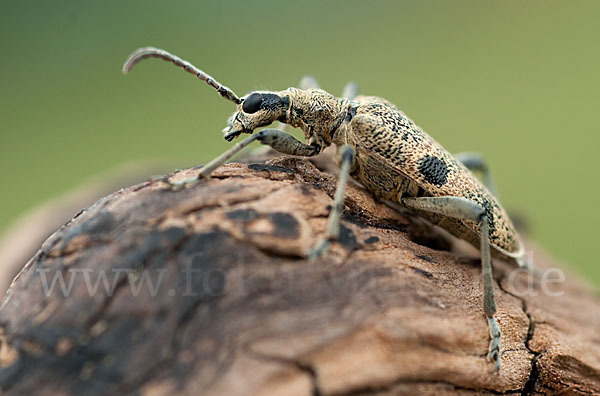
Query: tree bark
point(207, 292)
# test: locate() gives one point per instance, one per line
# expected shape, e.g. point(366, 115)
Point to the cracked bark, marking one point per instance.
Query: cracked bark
point(394, 309)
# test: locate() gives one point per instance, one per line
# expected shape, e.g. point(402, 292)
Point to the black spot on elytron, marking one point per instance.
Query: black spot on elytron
point(371, 240)
point(434, 170)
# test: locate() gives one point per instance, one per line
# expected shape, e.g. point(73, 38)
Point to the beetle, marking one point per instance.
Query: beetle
point(384, 150)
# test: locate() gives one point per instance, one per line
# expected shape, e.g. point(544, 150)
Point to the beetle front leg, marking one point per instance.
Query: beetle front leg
point(278, 140)
point(348, 157)
point(207, 169)
point(462, 208)
point(287, 144)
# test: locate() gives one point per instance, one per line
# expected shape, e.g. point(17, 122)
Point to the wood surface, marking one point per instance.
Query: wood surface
point(393, 309)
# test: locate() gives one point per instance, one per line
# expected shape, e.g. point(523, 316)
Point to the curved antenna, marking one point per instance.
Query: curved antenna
point(151, 52)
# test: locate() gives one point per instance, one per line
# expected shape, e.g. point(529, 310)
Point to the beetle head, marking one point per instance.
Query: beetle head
point(257, 109)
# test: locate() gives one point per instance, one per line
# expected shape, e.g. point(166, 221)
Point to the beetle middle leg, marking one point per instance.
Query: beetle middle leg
point(475, 162)
point(347, 157)
point(350, 91)
point(462, 208)
point(308, 82)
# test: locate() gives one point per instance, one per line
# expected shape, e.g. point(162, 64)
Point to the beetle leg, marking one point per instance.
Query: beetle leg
point(287, 144)
point(350, 91)
point(308, 82)
point(475, 162)
point(207, 169)
point(462, 208)
point(332, 233)
point(278, 140)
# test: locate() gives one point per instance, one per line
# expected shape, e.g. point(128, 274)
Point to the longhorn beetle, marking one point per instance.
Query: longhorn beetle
point(385, 151)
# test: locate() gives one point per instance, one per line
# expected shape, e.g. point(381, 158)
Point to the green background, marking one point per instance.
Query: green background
point(515, 80)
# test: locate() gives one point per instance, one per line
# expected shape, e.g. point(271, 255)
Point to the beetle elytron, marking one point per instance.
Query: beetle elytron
point(386, 152)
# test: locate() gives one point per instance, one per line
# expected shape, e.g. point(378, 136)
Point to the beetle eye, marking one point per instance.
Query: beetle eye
point(252, 103)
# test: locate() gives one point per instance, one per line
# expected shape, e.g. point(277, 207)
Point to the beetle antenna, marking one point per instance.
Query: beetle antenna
point(151, 52)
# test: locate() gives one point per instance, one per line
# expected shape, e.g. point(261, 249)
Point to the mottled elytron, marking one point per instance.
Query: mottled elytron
point(384, 150)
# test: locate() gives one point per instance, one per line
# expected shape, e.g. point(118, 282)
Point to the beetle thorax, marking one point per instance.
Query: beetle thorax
point(318, 113)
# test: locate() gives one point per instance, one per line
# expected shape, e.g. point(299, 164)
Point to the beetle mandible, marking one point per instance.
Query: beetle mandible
point(379, 146)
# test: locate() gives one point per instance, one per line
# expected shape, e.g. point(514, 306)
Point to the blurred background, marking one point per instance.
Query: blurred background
point(517, 81)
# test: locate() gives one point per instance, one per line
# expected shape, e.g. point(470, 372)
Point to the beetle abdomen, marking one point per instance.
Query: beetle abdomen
point(402, 160)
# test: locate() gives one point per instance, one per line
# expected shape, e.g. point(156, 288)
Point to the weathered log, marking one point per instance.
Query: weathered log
point(22, 239)
point(233, 308)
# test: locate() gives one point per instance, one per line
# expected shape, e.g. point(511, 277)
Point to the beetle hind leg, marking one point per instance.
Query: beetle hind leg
point(347, 156)
point(462, 208)
point(476, 162)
